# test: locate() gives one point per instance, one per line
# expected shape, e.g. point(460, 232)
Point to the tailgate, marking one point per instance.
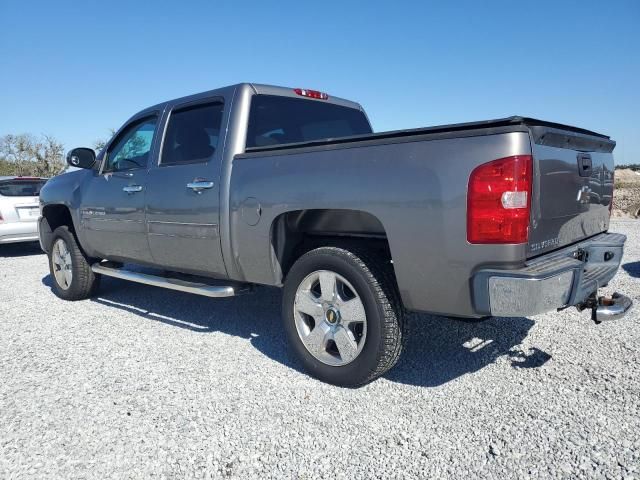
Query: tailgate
point(573, 186)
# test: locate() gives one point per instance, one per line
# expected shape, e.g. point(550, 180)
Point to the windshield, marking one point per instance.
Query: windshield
point(278, 120)
point(21, 187)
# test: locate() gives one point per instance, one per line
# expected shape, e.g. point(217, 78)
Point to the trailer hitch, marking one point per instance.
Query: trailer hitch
point(606, 308)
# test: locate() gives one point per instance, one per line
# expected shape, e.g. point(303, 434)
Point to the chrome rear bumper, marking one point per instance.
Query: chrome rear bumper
point(560, 279)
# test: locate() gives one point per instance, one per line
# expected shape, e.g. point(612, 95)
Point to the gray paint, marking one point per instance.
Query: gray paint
point(556, 213)
point(408, 185)
point(183, 225)
point(416, 189)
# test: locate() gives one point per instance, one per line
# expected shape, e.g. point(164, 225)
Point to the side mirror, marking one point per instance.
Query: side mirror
point(81, 158)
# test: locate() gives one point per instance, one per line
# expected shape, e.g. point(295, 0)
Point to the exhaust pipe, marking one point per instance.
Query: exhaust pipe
point(610, 308)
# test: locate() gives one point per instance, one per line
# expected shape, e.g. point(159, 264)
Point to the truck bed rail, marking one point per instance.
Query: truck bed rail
point(540, 130)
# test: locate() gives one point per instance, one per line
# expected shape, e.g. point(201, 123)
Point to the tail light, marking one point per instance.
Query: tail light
point(499, 201)
point(303, 92)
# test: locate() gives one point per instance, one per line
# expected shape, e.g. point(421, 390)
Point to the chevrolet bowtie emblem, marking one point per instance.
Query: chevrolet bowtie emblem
point(584, 195)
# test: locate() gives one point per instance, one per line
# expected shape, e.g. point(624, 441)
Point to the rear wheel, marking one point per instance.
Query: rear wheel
point(343, 316)
point(70, 269)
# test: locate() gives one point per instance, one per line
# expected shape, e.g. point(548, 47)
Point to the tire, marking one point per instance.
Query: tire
point(338, 348)
point(71, 274)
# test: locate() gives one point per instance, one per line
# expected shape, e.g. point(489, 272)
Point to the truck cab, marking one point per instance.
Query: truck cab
point(157, 193)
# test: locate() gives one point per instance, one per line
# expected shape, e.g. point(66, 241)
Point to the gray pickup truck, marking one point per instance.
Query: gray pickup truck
point(260, 185)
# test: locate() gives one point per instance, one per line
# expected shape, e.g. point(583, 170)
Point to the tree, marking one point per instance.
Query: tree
point(99, 144)
point(632, 166)
point(27, 155)
point(5, 168)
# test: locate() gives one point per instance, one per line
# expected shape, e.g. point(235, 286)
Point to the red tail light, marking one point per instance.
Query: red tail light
point(303, 92)
point(499, 201)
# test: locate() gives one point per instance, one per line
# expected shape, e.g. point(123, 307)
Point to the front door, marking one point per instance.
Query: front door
point(112, 214)
point(183, 203)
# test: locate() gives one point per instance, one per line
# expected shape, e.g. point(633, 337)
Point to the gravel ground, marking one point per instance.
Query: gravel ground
point(626, 196)
point(141, 382)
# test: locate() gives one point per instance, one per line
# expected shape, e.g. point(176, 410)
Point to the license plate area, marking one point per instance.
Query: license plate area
point(28, 213)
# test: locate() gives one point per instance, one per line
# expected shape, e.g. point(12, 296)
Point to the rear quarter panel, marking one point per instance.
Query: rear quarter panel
point(417, 190)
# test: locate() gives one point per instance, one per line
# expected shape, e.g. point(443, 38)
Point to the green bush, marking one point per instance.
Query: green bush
point(28, 155)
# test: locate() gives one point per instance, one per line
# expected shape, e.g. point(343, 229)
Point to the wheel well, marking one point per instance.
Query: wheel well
point(55, 216)
point(295, 233)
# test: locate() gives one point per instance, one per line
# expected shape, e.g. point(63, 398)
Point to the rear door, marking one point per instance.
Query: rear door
point(573, 187)
point(183, 195)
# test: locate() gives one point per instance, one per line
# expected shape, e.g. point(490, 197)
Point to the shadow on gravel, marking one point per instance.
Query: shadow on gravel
point(441, 349)
point(20, 249)
point(254, 316)
point(632, 268)
point(438, 350)
point(534, 359)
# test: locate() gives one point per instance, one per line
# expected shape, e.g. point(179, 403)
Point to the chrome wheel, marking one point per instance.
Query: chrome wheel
point(330, 318)
point(62, 265)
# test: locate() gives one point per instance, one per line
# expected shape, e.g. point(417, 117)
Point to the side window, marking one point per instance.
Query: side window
point(192, 134)
point(131, 149)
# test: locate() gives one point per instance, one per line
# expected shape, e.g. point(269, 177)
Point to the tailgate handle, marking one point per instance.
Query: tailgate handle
point(584, 164)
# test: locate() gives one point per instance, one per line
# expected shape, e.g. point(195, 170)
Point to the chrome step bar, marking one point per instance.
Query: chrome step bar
point(163, 282)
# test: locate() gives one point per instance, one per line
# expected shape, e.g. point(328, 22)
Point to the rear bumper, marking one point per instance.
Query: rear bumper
point(560, 279)
point(15, 232)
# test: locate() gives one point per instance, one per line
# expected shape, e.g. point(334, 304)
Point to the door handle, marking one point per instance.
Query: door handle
point(584, 165)
point(132, 189)
point(199, 185)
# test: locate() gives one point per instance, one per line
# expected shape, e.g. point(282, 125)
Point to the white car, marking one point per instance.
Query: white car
point(19, 208)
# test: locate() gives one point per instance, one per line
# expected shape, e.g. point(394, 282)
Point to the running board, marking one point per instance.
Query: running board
point(170, 283)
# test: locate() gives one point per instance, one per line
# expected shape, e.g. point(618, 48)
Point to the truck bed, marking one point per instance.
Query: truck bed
point(484, 127)
point(557, 219)
point(415, 183)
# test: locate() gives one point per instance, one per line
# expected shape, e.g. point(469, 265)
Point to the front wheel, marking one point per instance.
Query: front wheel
point(70, 269)
point(343, 316)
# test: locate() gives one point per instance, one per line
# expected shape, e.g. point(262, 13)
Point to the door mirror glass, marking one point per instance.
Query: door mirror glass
point(81, 158)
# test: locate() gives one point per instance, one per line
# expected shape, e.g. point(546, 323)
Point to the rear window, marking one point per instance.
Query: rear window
point(21, 188)
point(277, 120)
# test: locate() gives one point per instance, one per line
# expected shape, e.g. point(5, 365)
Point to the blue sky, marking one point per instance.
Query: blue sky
point(76, 69)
